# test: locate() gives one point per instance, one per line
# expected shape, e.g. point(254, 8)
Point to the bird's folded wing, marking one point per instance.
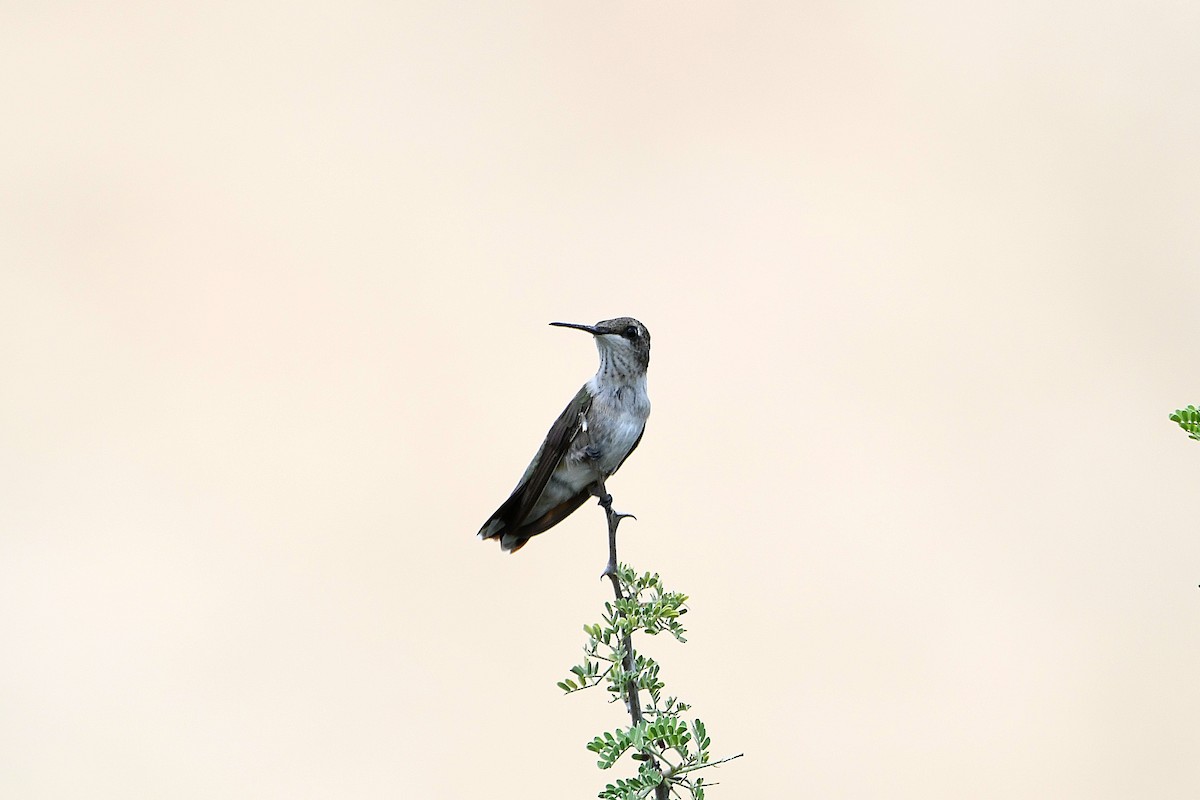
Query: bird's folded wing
point(558, 442)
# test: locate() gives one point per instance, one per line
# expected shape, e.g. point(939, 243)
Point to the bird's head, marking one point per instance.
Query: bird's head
point(624, 343)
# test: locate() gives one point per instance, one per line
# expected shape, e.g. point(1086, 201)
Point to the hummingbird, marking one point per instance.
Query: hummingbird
point(588, 442)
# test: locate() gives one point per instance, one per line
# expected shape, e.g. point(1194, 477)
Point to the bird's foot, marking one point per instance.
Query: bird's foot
point(605, 502)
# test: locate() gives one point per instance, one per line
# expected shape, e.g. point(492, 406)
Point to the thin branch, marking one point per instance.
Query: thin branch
point(686, 770)
point(662, 756)
point(599, 679)
point(633, 703)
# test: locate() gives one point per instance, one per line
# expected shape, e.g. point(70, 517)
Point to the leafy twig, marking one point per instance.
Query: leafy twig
point(666, 746)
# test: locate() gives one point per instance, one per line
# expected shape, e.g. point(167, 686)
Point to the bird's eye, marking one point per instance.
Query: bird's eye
point(630, 333)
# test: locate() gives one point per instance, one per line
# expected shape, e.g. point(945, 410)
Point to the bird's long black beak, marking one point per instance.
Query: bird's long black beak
point(592, 329)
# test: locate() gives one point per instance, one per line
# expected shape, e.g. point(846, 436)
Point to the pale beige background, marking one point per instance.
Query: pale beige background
point(275, 278)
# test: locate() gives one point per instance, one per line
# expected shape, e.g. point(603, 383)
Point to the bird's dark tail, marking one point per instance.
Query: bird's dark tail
point(499, 528)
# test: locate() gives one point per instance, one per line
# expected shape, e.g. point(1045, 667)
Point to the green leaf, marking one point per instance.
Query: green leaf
point(1188, 419)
